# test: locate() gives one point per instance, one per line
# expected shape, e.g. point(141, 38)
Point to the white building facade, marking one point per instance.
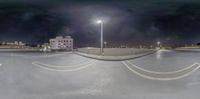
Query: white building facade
point(61, 43)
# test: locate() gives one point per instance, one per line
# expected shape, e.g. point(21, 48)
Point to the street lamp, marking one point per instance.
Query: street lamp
point(158, 43)
point(105, 44)
point(101, 26)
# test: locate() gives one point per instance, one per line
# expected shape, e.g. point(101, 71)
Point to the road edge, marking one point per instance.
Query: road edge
point(114, 58)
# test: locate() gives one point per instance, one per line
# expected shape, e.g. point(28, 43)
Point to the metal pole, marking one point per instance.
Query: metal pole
point(101, 38)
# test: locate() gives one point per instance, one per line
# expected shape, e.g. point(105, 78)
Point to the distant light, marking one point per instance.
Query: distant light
point(99, 21)
point(158, 43)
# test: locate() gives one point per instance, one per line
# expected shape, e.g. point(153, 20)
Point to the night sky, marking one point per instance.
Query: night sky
point(131, 22)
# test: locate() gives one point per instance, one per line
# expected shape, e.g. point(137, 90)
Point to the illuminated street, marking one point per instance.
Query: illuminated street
point(65, 75)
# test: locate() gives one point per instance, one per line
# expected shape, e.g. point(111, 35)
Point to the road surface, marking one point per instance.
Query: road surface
point(70, 76)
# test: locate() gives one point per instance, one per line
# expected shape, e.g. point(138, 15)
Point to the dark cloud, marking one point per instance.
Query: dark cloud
point(128, 21)
point(32, 25)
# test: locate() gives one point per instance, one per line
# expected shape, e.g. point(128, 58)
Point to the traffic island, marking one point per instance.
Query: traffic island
point(115, 54)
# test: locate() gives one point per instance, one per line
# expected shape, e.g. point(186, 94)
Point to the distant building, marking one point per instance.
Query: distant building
point(20, 43)
point(15, 44)
point(38, 45)
point(3, 43)
point(10, 43)
point(46, 47)
point(61, 43)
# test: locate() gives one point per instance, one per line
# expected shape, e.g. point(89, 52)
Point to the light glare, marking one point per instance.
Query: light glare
point(99, 21)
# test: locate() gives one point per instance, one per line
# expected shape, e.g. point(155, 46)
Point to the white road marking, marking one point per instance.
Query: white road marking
point(181, 70)
point(161, 79)
point(64, 70)
point(54, 66)
point(0, 65)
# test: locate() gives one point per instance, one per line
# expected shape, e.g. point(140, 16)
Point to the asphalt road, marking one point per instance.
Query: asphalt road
point(163, 75)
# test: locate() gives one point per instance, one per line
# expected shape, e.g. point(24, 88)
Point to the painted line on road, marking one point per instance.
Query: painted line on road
point(65, 70)
point(153, 72)
point(54, 66)
point(161, 79)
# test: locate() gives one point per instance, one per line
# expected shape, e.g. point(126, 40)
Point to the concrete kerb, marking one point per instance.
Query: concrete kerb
point(114, 58)
point(187, 50)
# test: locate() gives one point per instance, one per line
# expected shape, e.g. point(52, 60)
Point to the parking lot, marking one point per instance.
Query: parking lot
point(65, 75)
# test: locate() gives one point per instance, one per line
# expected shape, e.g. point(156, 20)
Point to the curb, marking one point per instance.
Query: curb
point(117, 58)
point(188, 50)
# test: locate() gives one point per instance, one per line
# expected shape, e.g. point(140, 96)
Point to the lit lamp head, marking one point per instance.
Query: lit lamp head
point(99, 21)
point(158, 43)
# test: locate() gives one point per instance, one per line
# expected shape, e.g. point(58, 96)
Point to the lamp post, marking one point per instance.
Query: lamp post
point(158, 44)
point(105, 44)
point(101, 29)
